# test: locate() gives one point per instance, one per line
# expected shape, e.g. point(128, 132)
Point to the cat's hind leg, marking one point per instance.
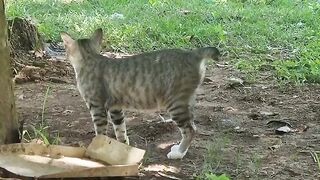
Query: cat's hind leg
point(183, 116)
point(99, 117)
point(119, 125)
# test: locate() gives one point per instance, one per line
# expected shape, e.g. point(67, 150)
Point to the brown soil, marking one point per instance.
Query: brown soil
point(234, 136)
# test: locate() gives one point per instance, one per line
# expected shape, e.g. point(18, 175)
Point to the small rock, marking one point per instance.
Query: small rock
point(283, 129)
point(229, 123)
point(300, 24)
point(185, 12)
point(117, 16)
point(21, 97)
point(266, 113)
point(232, 82)
point(238, 129)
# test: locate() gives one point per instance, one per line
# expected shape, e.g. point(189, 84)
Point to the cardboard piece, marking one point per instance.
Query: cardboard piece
point(111, 151)
point(54, 161)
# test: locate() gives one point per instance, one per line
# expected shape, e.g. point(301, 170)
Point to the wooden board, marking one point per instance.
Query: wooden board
point(53, 161)
point(112, 152)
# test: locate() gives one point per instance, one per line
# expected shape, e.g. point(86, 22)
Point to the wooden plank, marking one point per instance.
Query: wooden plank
point(41, 149)
point(108, 171)
point(113, 152)
point(55, 161)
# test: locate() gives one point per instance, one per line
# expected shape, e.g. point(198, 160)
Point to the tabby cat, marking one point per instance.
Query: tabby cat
point(165, 79)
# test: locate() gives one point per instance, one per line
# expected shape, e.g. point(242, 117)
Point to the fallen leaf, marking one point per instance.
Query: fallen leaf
point(238, 129)
point(21, 97)
point(39, 53)
point(302, 129)
point(229, 109)
point(222, 65)
point(266, 113)
point(279, 123)
point(274, 147)
point(207, 80)
point(67, 112)
point(28, 73)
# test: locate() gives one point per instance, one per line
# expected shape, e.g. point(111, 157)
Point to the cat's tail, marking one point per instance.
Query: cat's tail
point(208, 53)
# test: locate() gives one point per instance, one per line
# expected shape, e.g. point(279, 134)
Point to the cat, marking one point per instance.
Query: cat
point(165, 79)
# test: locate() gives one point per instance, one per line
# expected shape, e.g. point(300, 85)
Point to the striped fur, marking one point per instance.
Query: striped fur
point(165, 79)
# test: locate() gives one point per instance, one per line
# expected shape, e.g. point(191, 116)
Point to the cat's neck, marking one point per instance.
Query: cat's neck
point(76, 66)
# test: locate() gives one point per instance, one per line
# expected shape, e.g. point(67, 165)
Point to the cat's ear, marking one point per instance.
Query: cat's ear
point(97, 36)
point(67, 39)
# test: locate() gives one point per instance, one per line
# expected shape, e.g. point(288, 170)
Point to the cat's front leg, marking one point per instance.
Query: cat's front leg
point(99, 117)
point(119, 125)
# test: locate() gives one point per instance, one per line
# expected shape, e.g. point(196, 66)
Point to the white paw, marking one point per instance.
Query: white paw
point(175, 148)
point(123, 139)
point(175, 153)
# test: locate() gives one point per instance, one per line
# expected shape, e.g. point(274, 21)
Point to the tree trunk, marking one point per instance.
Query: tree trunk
point(9, 132)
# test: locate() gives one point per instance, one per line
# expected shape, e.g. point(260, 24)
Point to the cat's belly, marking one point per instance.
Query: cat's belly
point(137, 107)
point(137, 98)
point(138, 103)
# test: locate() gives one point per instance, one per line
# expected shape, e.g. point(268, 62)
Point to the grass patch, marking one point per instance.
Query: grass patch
point(212, 161)
point(210, 176)
point(304, 69)
point(40, 131)
point(282, 33)
point(315, 156)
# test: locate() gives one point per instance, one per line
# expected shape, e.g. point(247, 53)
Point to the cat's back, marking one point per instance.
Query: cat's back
point(166, 55)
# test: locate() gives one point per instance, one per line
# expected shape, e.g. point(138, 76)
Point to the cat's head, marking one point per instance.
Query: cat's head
point(76, 48)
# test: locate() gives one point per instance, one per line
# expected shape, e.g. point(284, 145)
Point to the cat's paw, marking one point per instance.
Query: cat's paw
point(175, 153)
point(175, 147)
point(124, 140)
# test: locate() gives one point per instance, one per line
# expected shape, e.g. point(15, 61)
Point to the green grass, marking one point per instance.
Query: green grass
point(253, 34)
point(40, 131)
point(315, 156)
point(212, 160)
point(210, 176)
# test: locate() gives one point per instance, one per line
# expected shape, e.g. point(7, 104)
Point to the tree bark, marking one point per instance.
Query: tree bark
point(9, 132)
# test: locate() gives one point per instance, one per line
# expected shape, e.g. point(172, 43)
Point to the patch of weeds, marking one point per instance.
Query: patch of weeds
point(147, 157)
point(239, 160)
point(304, 69)
point(255, 165)
point(210, 176)
point(212, 161)
point(251, 67)
point(40, 131)
point(316, 158)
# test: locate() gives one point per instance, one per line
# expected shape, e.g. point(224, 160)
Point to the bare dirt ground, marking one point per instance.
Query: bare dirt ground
point(236, 126)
